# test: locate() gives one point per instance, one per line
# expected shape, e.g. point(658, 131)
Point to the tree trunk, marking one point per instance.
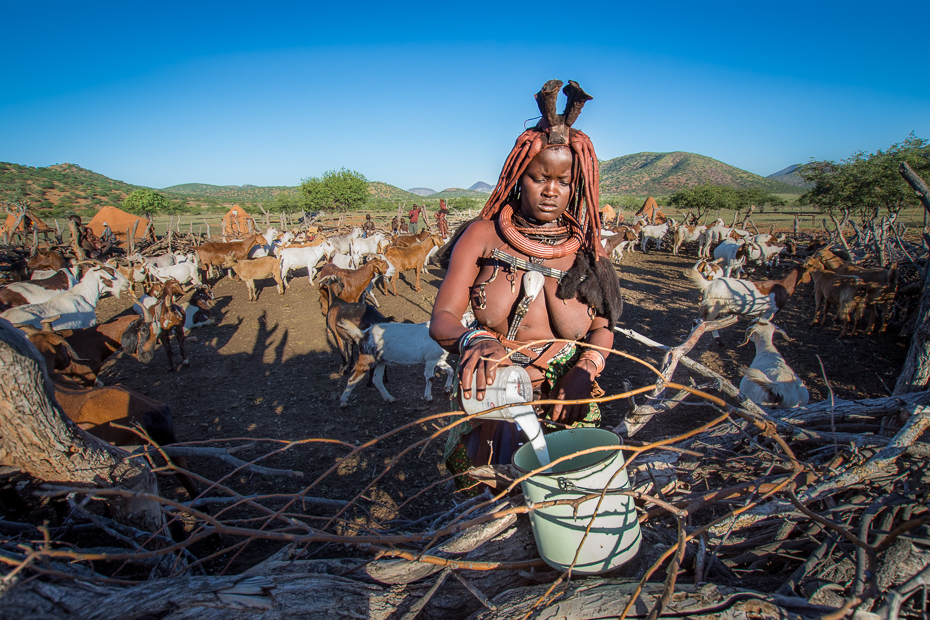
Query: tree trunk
point(916, 371)
point(37, 438)
point(76, 241)
point(917, 183)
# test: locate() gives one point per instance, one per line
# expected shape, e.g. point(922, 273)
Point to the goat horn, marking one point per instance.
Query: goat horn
point(780, 331)
point(576, 100)
point(47, 322)
point(27, 329)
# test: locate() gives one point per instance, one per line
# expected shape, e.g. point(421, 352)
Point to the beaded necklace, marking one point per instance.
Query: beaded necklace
point(557, 241)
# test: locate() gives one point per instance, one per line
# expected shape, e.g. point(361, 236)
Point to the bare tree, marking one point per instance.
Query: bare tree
point(37, 438)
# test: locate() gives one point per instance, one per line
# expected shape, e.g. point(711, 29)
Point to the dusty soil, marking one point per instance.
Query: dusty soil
point(265, 374)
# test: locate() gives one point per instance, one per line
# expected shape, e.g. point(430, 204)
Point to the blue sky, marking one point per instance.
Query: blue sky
point(433, 94)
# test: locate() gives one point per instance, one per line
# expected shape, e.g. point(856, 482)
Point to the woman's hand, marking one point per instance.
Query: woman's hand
point(574, 385)
point(482, 370)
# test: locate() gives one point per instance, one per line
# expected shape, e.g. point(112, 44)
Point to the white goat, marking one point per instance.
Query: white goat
point(733, 254)
point(183, 272)
point(654, 232)
point(685, 234)
point(344, 261)
point(343, 243)
point(372, 244)
point(36, 294)
point(295, 258)
point(395, 343)
point(712, 235)
point(164, 260)
point(259, 251)
point(75, 308)
point(769, 381)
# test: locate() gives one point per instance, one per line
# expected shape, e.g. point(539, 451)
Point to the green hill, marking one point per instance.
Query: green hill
point(664, 173)
point(384, 191)
point(62, 187)
point(229, 193)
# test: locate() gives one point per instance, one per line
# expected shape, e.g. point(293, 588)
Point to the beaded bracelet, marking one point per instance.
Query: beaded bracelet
point(472, 336)
point(595, 357)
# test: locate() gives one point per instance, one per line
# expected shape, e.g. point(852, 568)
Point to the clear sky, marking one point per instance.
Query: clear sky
point(433, 94)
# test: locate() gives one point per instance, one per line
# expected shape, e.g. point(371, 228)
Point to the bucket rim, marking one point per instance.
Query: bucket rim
point(513, 459)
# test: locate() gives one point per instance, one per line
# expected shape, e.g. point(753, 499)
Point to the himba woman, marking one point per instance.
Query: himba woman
point(541, 218)
point(441, 223)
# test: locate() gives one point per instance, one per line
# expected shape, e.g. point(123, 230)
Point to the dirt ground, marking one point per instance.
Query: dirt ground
point(266, 374)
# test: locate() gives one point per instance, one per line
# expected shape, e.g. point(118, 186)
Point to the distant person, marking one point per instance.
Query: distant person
point(92, 245)
point(395, 226)
point(368, 227)
point(108, 236)
point(403, 226)
point(441, 222)
point(415, 218)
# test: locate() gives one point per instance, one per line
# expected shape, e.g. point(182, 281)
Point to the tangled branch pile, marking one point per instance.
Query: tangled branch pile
point(816, 513)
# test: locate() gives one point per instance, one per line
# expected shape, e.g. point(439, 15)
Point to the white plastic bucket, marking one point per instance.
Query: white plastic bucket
point(615, 536)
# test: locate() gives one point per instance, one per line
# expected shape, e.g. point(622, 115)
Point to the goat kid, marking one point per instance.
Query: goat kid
point(255, 269)
point(770, 381)
point(395, 343)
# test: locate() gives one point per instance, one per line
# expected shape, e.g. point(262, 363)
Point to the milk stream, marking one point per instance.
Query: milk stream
point(526, 419)
point(512, 386)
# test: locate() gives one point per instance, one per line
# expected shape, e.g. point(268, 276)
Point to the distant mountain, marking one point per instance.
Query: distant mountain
point(790, 176)
point(665, 173)
point(422, 191)
point(456, 192)
point(481, 186)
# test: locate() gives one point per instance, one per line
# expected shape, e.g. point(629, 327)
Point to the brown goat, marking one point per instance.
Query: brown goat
point(413, 257)
point(354, 281)
point(213, 253)
point(170, 318)
point(98, 409)
point(77, 355)
point(361, 315)
point(882, 295)
point(255, 269)
point(838, 290)
point(47, 260)
point(405, 241)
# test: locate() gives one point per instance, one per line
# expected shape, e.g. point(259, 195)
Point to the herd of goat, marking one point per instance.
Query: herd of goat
point(851, 289)
point(56, 307)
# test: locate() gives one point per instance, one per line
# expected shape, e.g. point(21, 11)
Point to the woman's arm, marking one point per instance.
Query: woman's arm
point(453, 298)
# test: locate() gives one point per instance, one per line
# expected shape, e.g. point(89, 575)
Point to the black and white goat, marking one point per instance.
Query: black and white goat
point(395, 343)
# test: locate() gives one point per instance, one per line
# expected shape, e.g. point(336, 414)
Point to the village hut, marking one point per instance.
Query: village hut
point(26, 226)
point(651, 212)
point(236, 223)
point(608, 216)
point(120, 222)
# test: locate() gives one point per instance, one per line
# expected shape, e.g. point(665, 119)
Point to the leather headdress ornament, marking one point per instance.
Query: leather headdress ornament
point(558, 124)
point(554, 129)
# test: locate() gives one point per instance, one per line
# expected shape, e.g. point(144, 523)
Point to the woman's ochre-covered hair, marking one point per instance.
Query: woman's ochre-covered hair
point(556, 130)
